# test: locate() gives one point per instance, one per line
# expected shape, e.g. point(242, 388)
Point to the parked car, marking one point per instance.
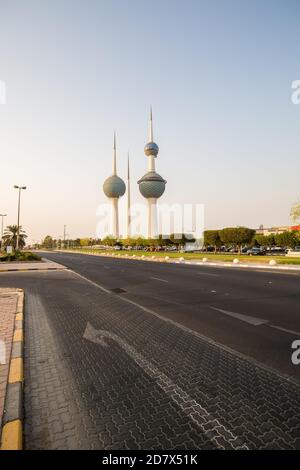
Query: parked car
point(256, 251)
point(208, 249)
point(277, 250)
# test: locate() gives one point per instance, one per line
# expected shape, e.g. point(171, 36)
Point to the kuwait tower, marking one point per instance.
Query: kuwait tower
point(152, 185)
point(114, 187)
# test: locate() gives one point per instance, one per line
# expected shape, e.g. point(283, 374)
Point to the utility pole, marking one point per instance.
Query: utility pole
point(2, 215)
point(19, 205)
point(64, 236)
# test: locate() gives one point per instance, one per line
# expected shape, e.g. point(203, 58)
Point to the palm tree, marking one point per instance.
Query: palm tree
point(10, 236)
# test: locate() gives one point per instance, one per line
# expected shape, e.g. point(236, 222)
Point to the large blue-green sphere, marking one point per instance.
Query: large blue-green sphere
point(152, 185)
point(114, 186)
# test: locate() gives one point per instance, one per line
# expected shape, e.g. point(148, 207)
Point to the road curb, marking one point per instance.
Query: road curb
point(14, 270)
point(12, 429)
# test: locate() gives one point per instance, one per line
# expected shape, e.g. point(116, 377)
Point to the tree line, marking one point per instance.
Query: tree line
point(178, 240)
point(244, 236)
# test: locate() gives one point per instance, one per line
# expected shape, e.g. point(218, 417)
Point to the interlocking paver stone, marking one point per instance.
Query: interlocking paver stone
point(150, 384)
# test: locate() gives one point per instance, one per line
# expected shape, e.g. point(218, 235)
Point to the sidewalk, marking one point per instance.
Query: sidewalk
point(43, 265)
point(11, 367)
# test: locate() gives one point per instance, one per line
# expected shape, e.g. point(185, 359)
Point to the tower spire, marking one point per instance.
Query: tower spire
point(151, 126)
point(128, 199)
point(114, 165)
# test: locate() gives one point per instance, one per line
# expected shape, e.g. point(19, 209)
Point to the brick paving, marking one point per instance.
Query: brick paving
point(140, 382)
point(8, 305)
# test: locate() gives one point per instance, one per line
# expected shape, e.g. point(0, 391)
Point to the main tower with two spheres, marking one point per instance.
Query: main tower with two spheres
point(151, 186)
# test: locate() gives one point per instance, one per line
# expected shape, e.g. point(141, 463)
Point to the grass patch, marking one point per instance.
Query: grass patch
point(223, 257)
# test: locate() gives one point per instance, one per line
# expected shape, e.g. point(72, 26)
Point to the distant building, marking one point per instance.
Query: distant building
point(276, 230)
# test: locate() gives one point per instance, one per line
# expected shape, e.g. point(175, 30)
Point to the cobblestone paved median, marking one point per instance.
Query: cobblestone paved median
point(8, 305)
point(141, 382)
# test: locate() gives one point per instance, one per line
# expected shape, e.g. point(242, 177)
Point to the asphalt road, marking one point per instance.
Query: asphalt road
point(150, 367)
point(191, 295)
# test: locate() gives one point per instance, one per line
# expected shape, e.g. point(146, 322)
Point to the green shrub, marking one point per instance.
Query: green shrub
point(28, 256)
point(20, 256)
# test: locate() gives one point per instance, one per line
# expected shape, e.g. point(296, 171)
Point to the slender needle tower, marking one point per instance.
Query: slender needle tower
point(152, 185)
point(114, 187)
point(128, 199)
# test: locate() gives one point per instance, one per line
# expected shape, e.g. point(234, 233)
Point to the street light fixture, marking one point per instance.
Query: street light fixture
point(19, 204)
point(2, 215)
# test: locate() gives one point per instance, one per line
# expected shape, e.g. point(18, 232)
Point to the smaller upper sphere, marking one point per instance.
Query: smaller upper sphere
point(151, 149)
point(114, 186)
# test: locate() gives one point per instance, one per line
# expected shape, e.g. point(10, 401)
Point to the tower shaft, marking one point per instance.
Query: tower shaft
point(115, 217)
point(152, 217)
point(128, 200)
point(151, 163)
point(114, 161)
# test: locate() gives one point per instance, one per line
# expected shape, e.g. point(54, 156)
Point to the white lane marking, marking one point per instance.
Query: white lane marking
point(246, 318)
point(275, 272)
point(208, 274)
point(292, 332)
point(255, 321)
point(198, 414)
point(91, 282)
point(159, 279)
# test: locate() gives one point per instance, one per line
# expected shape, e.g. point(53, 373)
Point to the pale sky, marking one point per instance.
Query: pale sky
point(218, 75)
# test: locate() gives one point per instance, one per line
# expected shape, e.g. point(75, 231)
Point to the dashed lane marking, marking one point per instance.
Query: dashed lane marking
point(159, 279)
point(246, 318)
point(292, 332)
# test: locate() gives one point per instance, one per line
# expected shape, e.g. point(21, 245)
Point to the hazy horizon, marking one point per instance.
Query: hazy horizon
point(217, 74)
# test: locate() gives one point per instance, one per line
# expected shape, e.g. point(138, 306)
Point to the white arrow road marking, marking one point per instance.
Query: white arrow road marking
point(246, 318)
point(198, 414)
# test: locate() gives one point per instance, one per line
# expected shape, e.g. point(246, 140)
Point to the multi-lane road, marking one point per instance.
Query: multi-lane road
point(135, 354)
point(254, 312)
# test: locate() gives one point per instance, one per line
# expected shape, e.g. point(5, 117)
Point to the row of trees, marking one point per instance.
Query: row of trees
point(285, 239)
point(178, 240)
point(241, 236)
point(236, 236)
point(50, 242)
point(229, 236)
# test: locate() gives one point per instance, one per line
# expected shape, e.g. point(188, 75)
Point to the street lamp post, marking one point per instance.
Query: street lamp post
point(19, 204)
point(2, 215)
